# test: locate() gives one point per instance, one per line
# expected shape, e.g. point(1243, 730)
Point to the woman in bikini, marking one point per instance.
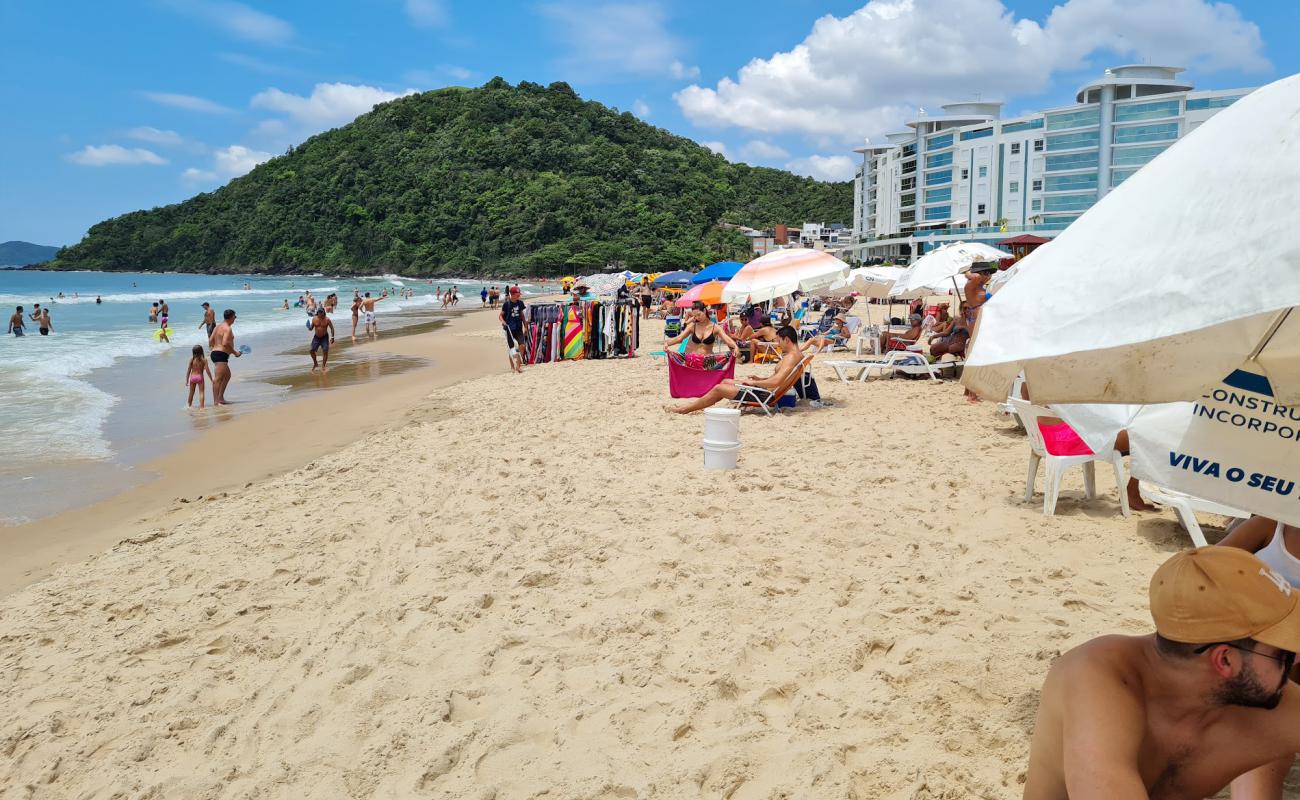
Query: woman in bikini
point(701, 333)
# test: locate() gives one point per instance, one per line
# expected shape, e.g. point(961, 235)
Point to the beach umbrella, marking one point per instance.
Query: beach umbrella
point(721, 271)
point(679, 278)
point(867, 281)
point(783, 272)
point(710, 294)
point(1174, 279)
point(938, 268)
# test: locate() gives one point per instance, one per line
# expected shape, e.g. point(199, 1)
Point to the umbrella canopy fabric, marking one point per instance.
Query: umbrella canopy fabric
point(935, 270)
point(721, 271)
point(710, 294)
point(602, 284)
point(1023, 239)
point(679, 278)
point(782, 272)
point(1177, 277)
point(867, 281)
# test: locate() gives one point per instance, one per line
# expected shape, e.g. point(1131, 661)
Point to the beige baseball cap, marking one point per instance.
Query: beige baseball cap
point(1220, 594)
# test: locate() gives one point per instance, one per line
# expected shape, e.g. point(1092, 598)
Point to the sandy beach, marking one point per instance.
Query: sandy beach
point(522, 586)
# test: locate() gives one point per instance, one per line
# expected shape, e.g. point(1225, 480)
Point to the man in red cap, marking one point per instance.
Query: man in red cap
point(1181, 712)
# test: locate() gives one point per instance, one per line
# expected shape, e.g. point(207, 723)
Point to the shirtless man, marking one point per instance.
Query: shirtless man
point(162, 320)
point(153, 313)
point(1181, 712)
point(16, 322)
point(221, 344)
point(322, 336)
point(209, 322)
point(43, 324)
point(791, 355)
point(368, 308)
point(356, 313)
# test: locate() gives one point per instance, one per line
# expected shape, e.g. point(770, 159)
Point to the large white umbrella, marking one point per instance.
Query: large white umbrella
point(782, 272)
point(1181, 274)
point(867, 281)
point(937, 270)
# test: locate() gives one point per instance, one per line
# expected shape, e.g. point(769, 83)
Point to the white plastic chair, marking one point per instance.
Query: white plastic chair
point(1185, 507)
point(1057, 465)
point(1006, 410)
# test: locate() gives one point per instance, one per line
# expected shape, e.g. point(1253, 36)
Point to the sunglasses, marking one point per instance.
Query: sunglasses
point(1284, 657)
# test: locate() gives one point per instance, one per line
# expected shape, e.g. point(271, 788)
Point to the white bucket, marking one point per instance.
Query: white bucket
point(720, 455)
point(722, 426)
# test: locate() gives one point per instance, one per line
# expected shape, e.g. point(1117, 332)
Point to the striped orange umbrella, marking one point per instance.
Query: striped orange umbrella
point(782, 272)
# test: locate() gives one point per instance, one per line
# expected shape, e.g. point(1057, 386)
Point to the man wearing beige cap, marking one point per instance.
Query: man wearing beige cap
point(1181, 712)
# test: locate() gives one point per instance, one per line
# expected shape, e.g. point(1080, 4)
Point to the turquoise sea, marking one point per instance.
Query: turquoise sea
point(84, 405)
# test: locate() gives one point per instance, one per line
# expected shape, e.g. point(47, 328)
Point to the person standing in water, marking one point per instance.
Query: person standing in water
point(356, 312)
point(368, 308)
point(194, 372)
point(162, 321)
point(322, 336)
point(43, 324)
point(16, 322)
point(222, 345)
point(209, 322)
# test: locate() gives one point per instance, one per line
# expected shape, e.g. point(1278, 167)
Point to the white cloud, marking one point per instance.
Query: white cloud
point(436, 77)
point(113, 154)
point(155, 136)
point(427, 13)
point(328, 105)
point(199, 175)
point(612, 39)
point(459, 73)
point(823, 168)
point(717, 147)
point(237, 160)
point(188, 102)
point(682, 72)
point(760, 150)
point(640, 108)
point(238, 20)
point(865, 73)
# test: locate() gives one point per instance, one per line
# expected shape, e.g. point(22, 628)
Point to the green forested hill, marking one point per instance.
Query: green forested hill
point(523, 179)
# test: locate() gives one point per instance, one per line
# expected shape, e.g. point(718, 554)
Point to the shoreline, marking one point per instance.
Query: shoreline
point(178, 483)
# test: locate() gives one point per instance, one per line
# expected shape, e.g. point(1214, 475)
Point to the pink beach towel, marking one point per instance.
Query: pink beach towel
point(694, 375)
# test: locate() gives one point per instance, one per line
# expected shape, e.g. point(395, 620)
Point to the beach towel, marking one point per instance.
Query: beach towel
point(573, 333)
point(694, 375)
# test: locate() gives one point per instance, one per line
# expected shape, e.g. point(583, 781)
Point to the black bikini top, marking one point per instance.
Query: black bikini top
point(708, 341)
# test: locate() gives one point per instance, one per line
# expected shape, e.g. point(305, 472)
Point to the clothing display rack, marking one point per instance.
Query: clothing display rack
point(593, 329)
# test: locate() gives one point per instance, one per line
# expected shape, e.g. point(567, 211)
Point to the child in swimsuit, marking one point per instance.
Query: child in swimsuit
point(194, 372)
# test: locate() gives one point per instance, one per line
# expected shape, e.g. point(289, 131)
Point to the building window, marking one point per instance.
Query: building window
point(1135, 156)
point(1204, 103)
point(1070, 183)
point(1069, 202)
point(939, 142)
point(943, 159)
point(907, 200)
point(907, 216)
point(1015, 187)
point(1037, 186)
point(979, 134)
point(936, 178)
point(1136, 111)
point(938, 212)
point(984, 172)
point(1160, 132)
point(965, 174)
point(1015, 127)
point(1119, 176)
point(909, 149)
point(1038, 145)
point(1074, 119)
point(938, 195)
point(1015, 148)
point(1036, 204)
point(908, 183)
point(979, 208)
point(1070, 141)
point(1072, 161)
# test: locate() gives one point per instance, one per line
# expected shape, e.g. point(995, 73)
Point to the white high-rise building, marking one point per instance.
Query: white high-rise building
point(967, 174)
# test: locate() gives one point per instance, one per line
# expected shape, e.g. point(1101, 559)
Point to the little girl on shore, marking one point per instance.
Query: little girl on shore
point(194, 372)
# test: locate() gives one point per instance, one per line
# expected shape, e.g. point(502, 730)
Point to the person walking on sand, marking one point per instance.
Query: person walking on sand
point(512, 321)
point(16, 322)
point(1180, 712)
point(209, 322)
point(482, 297)
point(222, 345)
point(194, 372)
point(368, 308)
point(322, 336)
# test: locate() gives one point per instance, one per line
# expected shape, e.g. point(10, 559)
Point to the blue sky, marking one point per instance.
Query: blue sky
point(113, 107)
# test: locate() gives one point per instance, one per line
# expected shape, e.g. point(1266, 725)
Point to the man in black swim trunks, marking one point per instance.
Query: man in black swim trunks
point(322, 336)
point(16, 322)
point(791, 355)
point(222, 346)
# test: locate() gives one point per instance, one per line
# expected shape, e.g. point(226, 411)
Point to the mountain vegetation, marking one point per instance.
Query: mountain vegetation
point(500, 179)
point(21, 254)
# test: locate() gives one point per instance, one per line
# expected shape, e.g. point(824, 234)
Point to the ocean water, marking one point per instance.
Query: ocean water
point(101, 362)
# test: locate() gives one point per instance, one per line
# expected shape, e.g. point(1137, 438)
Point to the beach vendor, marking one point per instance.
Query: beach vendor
point(512, 321)
point(1181, 712)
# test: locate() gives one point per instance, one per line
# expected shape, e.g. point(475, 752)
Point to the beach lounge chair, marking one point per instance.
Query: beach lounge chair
point(749, 397)
point(1059, 455)
point(1185, 507)
point(895, 361)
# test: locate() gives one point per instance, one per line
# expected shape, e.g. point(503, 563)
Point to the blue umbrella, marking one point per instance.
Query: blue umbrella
point(721, 271)
point(678, 278)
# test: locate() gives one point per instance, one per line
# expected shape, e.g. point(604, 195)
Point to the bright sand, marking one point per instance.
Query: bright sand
point(527, 585)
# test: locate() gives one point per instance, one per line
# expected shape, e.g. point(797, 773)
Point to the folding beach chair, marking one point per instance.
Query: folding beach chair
point(1057, 463)
point(752, 397)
